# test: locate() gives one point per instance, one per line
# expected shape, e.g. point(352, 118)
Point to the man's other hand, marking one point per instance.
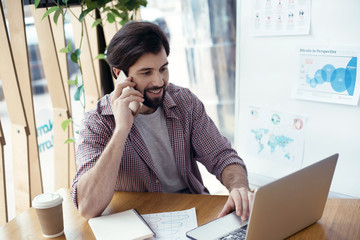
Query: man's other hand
point(240, 200)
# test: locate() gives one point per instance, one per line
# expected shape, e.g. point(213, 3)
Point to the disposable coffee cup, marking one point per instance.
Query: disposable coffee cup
point(49, 211)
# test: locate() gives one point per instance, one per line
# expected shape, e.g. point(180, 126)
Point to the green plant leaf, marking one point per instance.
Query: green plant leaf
point(66, 49)
point(70, 140)
point(36, 3)
point(84, 13)
point(91, 4)
point(96, 22)
point(122, 22)
point(50, 10)
point(56, 15)
point(73, 82)
point(124, 15)
point(115, 12)
point(110, 17)
point(100, 56)
point(78, 93)
point(131, 5)
point(143, 2)
point(65, 1)
point(66, 123)
point(75, 55)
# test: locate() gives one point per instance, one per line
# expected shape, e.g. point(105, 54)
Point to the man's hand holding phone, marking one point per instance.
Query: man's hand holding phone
point(126, 102)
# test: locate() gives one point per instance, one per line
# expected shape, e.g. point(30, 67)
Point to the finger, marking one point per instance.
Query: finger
point(228, 207)
point(130, 91)
point(238, 201)
point(119, 89)
point(245, 204)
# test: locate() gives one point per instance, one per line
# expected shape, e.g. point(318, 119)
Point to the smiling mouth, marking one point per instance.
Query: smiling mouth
point(157, 91)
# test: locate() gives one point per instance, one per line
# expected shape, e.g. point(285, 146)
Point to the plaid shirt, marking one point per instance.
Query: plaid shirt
point(193, 135)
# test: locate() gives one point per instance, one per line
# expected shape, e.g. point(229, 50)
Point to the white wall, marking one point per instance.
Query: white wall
point(266, 70)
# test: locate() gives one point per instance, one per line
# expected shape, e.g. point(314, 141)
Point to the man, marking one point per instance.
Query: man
point(155, 147)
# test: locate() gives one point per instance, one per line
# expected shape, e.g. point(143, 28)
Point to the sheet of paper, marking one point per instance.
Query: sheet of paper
point(276, 136)
point(172, 225)
point(280, 17)
point(328, 74)
point(124, 225)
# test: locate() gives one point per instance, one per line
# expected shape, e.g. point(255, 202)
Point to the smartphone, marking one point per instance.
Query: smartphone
point(134, 105)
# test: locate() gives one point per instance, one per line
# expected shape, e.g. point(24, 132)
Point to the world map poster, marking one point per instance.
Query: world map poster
point(276, 136)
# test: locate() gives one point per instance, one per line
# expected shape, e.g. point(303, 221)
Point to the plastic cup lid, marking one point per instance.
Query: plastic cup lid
point(47, 200)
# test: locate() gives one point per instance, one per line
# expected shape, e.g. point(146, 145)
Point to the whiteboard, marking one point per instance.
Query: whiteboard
point(266, 69)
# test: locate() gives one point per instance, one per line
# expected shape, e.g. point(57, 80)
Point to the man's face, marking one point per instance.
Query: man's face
point(151, 75)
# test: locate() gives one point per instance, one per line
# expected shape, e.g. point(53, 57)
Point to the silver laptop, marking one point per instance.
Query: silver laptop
point(280, 209)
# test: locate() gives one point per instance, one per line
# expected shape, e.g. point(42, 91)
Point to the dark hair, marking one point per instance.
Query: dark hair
point(132, 41)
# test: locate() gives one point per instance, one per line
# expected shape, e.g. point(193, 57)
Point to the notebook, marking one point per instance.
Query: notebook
point(123, 225)
point(280, 208)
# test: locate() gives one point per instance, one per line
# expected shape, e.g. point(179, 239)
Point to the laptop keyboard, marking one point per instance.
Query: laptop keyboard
point(238, 234)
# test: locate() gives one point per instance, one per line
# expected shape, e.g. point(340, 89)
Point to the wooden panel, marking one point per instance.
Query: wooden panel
point(9, 78)
point(3, 200)
point(15, 15)
point(49, 59)
point(54, 79)
point(61, 150)
point(60, 42)
point(21, 168)
point(92, 93)
point(94, 46)
point(18, 121)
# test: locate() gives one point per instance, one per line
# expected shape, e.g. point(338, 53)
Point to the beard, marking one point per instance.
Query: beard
point(154, 103)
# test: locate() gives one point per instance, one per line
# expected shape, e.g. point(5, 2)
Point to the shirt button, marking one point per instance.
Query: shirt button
point(157, 181)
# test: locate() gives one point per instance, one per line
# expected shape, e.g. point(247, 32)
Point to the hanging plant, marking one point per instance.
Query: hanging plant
point(121, 11)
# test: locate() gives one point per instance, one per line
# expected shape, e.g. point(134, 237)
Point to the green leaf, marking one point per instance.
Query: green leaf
point(36, 3)
point(110, 17)
point(66, 49)
point(78, 93)
point(143, 3)
point(70, 140)
point(96, 22)
point(124, 15)
point(65, 1)
point(100, 56)
point(73, 82)
point(66, 123)
point(131, 5)
point(56, 15)
point(122, 22)
point(91, 4)
point(84, 13)
point(75, 55)
point(50, 10)
point(115, 12)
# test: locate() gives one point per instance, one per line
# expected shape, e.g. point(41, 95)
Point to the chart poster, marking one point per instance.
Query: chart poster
point(328, 75)
point(280, 17)
point(276, 136)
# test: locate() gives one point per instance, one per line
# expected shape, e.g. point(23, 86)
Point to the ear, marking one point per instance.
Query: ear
point(116, 71)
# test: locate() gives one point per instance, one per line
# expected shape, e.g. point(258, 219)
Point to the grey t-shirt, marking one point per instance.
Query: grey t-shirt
point(153, 130)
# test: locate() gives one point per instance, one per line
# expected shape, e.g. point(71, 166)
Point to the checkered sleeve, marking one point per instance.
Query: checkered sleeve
point(93, 136)
point(211, 148)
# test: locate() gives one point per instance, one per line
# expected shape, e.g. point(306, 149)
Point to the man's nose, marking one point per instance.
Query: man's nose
point(158, 79)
